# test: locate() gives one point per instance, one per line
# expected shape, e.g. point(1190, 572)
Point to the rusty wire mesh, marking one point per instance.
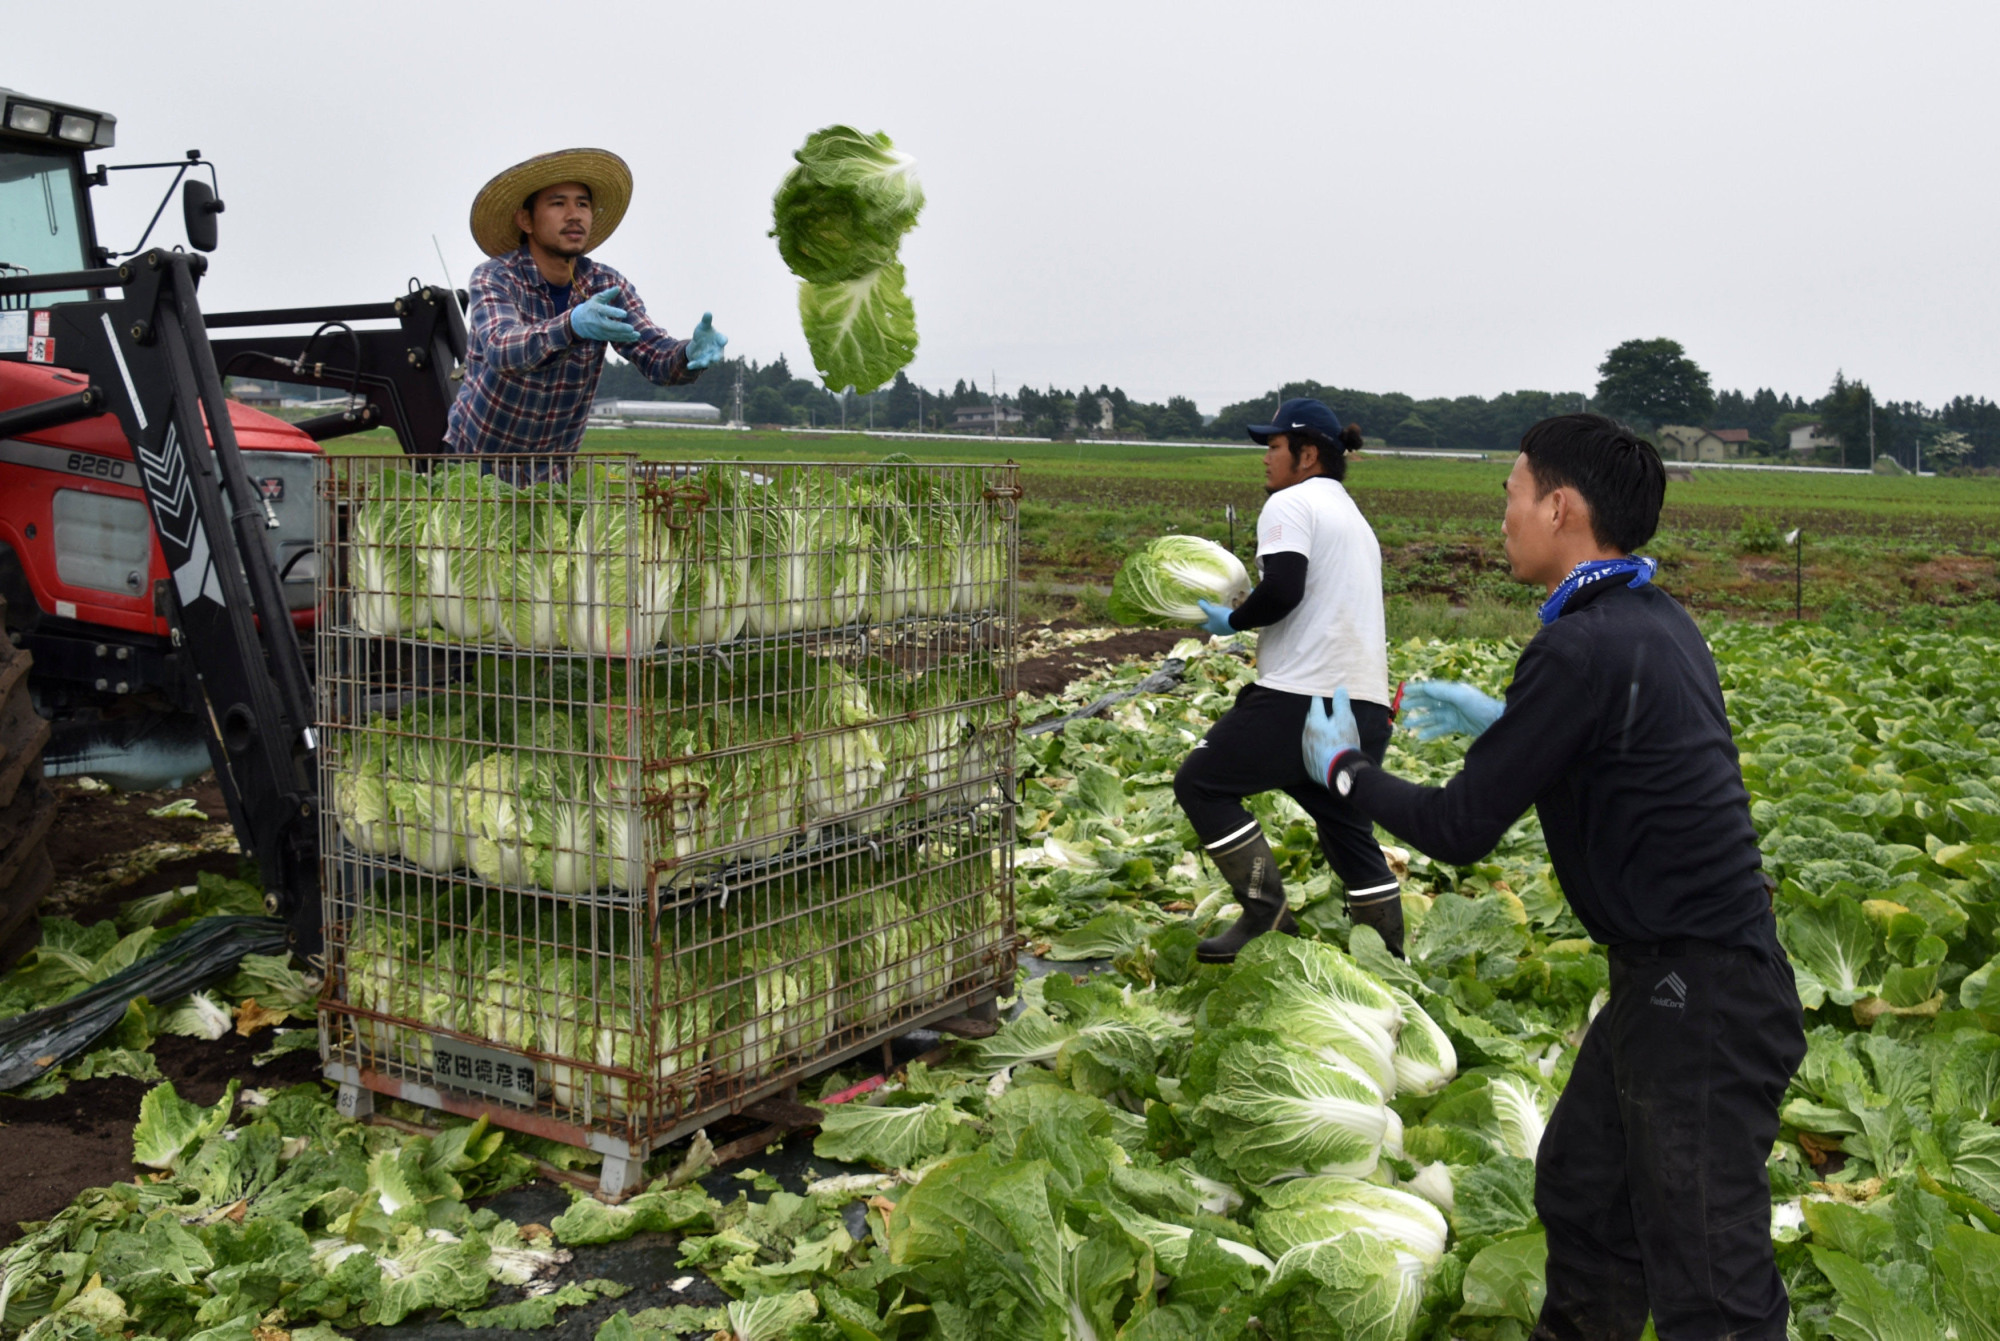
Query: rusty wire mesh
point(658, 785)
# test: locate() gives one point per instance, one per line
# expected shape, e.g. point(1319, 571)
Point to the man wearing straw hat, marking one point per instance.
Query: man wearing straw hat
point(543, 312)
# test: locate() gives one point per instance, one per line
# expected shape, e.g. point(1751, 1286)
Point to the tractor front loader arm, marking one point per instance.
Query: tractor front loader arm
point(147, 355)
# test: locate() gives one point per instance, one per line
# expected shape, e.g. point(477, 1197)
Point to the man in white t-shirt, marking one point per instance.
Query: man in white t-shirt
point(1319, 603)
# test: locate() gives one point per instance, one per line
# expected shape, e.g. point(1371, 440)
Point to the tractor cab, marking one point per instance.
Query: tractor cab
point(45, 222)
point(87, 581)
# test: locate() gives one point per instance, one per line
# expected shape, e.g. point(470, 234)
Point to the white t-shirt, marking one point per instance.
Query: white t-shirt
point(1334, 636)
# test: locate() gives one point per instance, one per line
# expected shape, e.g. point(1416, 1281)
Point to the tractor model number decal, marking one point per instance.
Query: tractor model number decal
point(97, 467)
point(87, 464)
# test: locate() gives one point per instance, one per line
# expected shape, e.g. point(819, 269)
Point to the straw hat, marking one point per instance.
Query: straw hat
point(609, 180)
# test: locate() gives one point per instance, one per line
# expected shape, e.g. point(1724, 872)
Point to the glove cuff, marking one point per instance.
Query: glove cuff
point(1339, 773)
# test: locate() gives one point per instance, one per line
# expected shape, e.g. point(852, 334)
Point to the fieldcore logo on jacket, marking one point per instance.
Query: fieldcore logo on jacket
point(1676, 989)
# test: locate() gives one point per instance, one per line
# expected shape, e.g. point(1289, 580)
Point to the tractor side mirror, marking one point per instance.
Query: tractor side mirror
point(198, 210)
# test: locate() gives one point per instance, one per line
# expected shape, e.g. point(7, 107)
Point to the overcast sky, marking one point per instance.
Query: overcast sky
point(1179, 198)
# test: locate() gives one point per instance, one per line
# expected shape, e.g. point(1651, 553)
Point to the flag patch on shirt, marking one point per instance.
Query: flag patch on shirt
point(1277, 530)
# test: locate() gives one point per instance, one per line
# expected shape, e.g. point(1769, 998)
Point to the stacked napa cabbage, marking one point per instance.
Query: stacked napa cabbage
point(737, 988)
point(611, 564)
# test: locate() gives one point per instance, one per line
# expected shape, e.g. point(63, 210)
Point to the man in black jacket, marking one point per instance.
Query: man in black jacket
point(1651, 1176)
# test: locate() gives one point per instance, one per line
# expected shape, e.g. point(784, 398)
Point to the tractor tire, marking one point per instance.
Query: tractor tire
point(27, 806)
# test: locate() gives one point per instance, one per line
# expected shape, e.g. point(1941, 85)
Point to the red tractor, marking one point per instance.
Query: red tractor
point(157, 558)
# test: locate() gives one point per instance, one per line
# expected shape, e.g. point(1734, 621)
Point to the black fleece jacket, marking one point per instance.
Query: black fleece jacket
point(1278, 593)
point(1615, 732)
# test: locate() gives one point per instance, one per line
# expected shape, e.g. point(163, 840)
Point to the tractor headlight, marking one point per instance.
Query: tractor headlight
point(76, 129)
point(29, 119)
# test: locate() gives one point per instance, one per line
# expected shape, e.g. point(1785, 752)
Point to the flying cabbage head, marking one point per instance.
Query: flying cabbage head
point(844, 209)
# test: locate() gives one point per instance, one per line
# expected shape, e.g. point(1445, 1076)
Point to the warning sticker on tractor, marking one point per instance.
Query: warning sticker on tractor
point(41, 349)
point(13, 332)
point(459, 1065)
point(42, 321)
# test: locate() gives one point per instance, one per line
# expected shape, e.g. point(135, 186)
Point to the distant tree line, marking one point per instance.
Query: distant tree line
point(773, 395)
point(1647, 383)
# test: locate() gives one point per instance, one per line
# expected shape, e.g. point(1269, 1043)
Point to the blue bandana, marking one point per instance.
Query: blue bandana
point(1596, 570)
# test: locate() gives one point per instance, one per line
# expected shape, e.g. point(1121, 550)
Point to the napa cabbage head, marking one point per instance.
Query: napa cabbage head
point(843, 210)
point(390, 579)
point(1162, 583)
point(361, 801)
point(710, 601)
point(435, 743)
point(624, 565)
point(532, 539)
point(809, 562)
point(1426, 1061)
point(916, 548)
point(861, 331)
point(1274, 1111)
point(1308, 1210)
point(459, 548)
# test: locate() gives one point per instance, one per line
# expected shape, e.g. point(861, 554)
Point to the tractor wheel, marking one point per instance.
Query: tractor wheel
point(27, 806)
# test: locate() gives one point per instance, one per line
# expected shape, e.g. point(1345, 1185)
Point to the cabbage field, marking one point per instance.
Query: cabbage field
point(1319, 1141)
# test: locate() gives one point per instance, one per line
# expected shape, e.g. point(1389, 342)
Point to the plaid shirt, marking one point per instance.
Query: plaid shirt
point(528, 380)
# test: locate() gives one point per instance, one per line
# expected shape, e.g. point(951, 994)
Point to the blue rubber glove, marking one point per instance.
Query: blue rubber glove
point(1218, 618)
point(706, 344)
point(599, 317)
point(1329, 735)
point(1434, 708)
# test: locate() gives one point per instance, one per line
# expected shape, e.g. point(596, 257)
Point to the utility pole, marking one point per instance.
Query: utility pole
point(1871, 428)
point(739, 395)
point(920, 409)
point(993, 383)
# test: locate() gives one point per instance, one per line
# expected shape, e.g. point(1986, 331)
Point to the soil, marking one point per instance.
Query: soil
point(83, 1137)
point(94, 828)
point(1053, 673)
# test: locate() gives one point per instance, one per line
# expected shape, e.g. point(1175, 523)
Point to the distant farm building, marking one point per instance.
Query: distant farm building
point(660, 411)
point(256, 393)
point(1807, 439)
point(981, 416)
point(1679, 442)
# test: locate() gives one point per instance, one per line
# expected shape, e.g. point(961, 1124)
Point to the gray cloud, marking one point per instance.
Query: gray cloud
point(1176, 197)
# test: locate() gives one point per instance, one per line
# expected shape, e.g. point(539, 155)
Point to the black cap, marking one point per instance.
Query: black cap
point(1299, 416)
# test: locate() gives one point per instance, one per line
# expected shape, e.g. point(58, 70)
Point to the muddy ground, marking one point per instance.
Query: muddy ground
point(1051, 672)
point(55, 1148)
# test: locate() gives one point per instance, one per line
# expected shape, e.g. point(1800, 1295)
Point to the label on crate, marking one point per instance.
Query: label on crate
point(459, 1065)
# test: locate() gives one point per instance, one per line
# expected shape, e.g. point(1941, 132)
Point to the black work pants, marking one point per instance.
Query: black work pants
point(1259, 746)
point(1651, 1176)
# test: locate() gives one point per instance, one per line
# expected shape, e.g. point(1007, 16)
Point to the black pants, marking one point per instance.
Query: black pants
point(1651, 1176)
point(1258, 746)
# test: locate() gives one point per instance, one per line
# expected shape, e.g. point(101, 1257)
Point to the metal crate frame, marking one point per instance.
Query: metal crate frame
point(714, 851)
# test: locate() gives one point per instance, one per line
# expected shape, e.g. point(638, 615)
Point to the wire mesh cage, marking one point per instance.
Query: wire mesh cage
point(651, 787)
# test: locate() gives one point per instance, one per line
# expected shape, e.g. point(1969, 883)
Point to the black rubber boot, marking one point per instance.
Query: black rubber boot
point(1384, 913)
point(1252, 873)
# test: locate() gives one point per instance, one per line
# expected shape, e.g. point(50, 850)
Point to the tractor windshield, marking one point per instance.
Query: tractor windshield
point(41, 229)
